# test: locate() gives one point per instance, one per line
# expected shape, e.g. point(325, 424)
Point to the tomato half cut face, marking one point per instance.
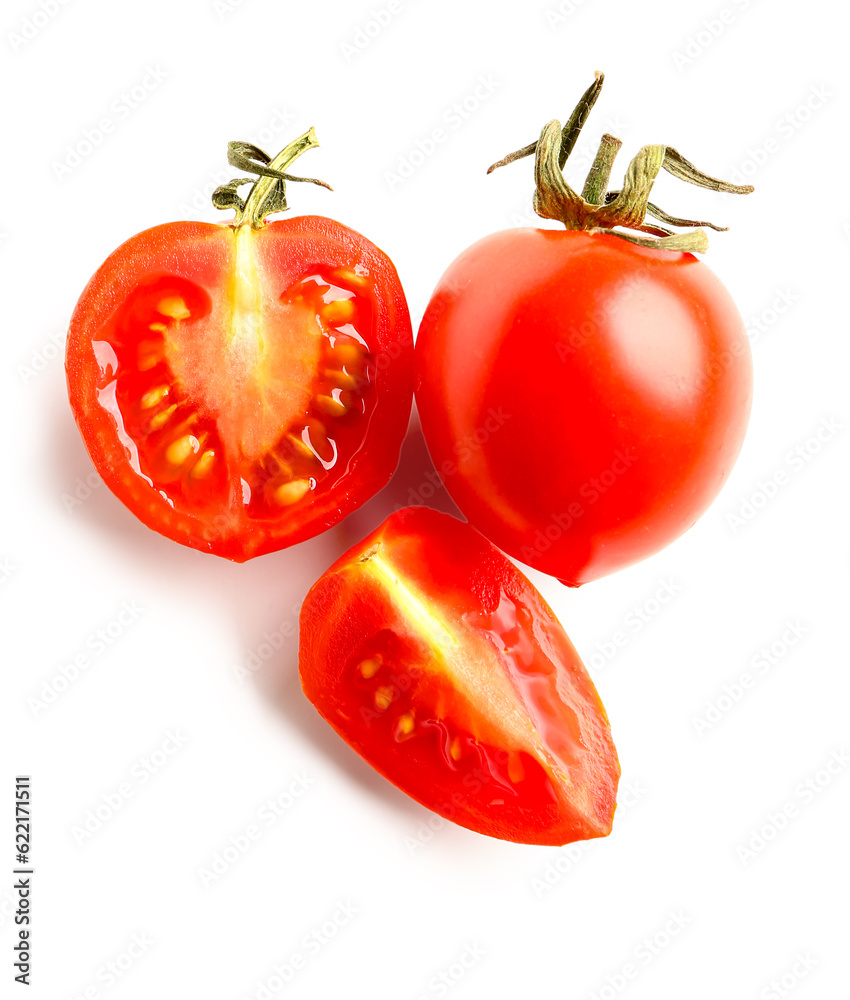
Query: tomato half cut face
point(438, 661)
point(243, 389)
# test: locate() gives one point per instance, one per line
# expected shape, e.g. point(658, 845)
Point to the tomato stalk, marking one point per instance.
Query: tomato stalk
point(598, 210)
point(268, 193)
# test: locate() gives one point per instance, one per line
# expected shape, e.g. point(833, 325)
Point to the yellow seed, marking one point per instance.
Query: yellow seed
point(455, 749)
point(155, 396)
point(173, 306)
point(350, 353)
point(181, 449)
point(352, 277)
point(159, 327)
point(383, 698)
point(150, 354)
point(204, 465)
point(342, 379)
point(332, 407)
point(339, 311)
point(368, 668)
point(300, 447)
point(159, 421)
point(516, 772)
point(291, 492)
point(405, 725)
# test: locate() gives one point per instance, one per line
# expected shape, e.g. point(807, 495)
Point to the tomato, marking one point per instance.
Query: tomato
point(585, 392)
point(243, 387)
point(438, 661)
point(582, 397)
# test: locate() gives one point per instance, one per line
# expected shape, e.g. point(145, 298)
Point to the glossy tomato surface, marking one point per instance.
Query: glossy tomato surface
point(242, 390)
point(437, 661)
point(583, 398)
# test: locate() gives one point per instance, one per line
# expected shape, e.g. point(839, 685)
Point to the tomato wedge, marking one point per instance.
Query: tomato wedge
point(243, 388)
point(431, 654)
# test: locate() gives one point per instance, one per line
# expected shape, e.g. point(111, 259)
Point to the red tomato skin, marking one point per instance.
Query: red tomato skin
point(465, 575)
point(583, 398)
point(202, 253)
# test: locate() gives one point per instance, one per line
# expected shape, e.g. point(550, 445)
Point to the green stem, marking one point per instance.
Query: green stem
point(265, 187)
point(268, 191)
point(596, 209)
point(600, 172)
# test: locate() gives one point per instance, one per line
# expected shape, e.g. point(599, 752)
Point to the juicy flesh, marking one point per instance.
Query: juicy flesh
point(489, 700)
point(253, 397)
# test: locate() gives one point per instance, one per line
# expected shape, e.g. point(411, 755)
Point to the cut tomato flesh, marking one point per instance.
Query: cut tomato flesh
point(240, 375)
point(439, 662)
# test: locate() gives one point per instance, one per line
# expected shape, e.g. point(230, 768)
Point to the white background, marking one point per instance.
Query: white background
point(761, 91)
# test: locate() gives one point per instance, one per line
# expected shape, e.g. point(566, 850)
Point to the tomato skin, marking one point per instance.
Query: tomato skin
point(203, 255)
point(583, 398)
point(499, 656)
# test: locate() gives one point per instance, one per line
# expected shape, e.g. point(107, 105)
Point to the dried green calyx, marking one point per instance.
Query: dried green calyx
point(598, 210)
point(268, 193)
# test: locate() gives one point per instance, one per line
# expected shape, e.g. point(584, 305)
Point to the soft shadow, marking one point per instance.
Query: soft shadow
point(280, 685)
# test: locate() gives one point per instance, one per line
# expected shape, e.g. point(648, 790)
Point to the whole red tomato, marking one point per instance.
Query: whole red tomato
point(435, 659)
point(583, 397)
point(242, 387)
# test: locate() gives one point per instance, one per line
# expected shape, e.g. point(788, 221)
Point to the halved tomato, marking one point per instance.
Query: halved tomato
point(243, 387)
point(431, 654)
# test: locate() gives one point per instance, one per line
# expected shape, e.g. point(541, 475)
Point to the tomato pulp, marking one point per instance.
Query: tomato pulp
point(438, 661)
point(621, 377)
point(243, 389)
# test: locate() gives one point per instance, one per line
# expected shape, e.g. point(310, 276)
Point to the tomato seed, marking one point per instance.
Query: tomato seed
point(182, 449)
point(173, 306)
point(338, 311)
point(368, 668)
point(150, 399)
point(291, 492)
